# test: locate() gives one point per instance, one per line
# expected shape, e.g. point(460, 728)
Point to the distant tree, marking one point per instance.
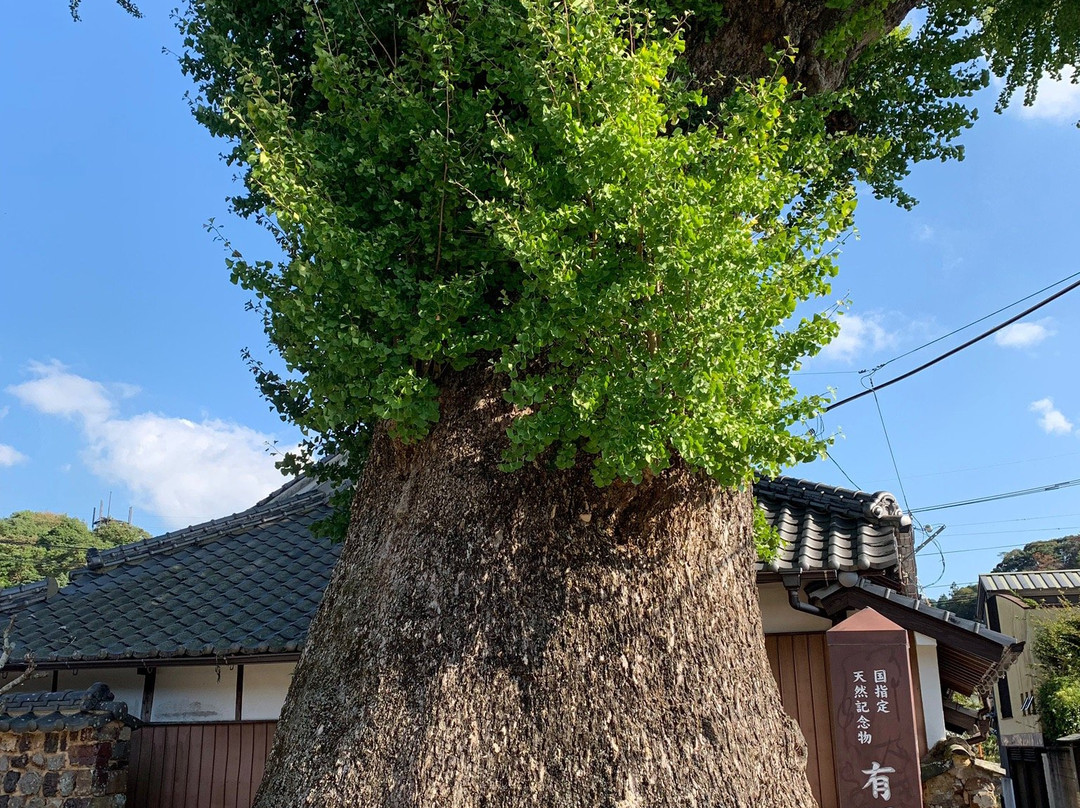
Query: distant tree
point(960, 600)
point(113, 532)
point(1050, 554)
point(38, 544)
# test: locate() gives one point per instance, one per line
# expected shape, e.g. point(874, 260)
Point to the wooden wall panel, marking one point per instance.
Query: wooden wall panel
point(216, 765)
point(800, 664)
point(220, 765)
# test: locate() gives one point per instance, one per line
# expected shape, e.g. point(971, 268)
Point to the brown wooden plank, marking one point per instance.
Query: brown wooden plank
point(243, 773)
point(819, 677)
point(232, 765)
point(182, 766)
point(804, 699)
point(221, 760)
point(772, 654)
point(168, 767)
point(138, 770)
point(788, 688)
point(206, 768)
point(157, 760)
point(264, 740)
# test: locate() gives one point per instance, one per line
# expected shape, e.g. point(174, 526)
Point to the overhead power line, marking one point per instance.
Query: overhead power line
point(1005, 495)
point(975, 322)
point(957, 349)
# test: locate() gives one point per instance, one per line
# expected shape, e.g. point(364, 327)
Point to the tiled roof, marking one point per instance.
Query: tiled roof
point(250, 583)
point(63, 710)
point(1031, 582)
point(823, 527)
point(970, 656)
point(245, 584)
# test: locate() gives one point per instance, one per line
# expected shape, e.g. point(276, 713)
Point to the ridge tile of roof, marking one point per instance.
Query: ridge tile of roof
point(826, 528)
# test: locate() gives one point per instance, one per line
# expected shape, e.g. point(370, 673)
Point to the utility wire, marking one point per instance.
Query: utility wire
point(975, 322)
point(1006, 495)
point(996, 547)
point(847, 477)
point(957, 349)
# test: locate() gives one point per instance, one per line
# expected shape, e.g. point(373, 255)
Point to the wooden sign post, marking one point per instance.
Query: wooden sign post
point(877, 750)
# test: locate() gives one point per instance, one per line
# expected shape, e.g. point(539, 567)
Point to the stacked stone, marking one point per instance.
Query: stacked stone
point(64, 750)
point(955, 777)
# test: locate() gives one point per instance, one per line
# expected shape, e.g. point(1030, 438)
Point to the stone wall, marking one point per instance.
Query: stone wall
point(954, 777)
point(64, 750)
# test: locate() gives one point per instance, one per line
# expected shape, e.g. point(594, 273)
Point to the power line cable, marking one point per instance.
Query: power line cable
point(847, 477)
point(973, 322)
point(994, 497)
point(1018, 519)
point(957, 349)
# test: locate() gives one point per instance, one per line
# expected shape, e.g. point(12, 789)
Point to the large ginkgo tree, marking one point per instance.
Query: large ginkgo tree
point(544, 261)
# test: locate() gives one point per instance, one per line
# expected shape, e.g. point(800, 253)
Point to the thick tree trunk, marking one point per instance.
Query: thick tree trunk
point(526, 639)
point(741, 46)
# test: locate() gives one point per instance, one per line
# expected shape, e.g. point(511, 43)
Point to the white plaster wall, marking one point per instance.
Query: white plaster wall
point(194, 693)
point(930, 684)
point(265, 687)
point(778, 617)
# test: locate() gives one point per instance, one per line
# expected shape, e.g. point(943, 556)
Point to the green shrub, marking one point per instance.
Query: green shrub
point(1058, 700)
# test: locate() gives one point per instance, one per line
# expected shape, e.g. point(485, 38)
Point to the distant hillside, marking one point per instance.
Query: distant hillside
point(1052, 554)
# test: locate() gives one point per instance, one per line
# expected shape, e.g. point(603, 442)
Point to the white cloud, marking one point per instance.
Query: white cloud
point(1024, 335)
point(9, 455)
point(858, 335)
point(924, 233)
point(181, 470)
point(1057, 101)
point(1051, 419)
point(55, 391)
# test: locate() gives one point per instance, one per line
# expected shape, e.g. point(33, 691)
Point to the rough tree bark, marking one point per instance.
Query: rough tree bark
point(740, 47)
point(493, 639)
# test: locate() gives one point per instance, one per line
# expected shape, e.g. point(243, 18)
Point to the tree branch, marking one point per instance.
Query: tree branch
point(6, 648)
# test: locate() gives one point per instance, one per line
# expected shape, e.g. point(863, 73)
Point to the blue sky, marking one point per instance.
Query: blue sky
point(120, 337)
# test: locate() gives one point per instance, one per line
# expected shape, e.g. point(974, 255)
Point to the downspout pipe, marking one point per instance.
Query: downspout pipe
point(793, 585)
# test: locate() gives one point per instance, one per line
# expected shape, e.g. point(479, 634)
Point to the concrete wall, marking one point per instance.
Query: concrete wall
point(930, 685)
point(1019, 621)
point(778, 617)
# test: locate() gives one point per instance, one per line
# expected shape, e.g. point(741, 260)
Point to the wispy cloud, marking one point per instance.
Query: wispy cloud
point(1056, 102)
point(182, 470)
point(1024, 335)
point(859, 336)
point(1051, 419)
point(9, 455)
point(57, 392)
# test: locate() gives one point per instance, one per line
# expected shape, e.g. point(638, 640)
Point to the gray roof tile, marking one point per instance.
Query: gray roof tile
point(250, 583)
point(1031, 582)
point(239, 585)
point(62, 710)
point(823, 527)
